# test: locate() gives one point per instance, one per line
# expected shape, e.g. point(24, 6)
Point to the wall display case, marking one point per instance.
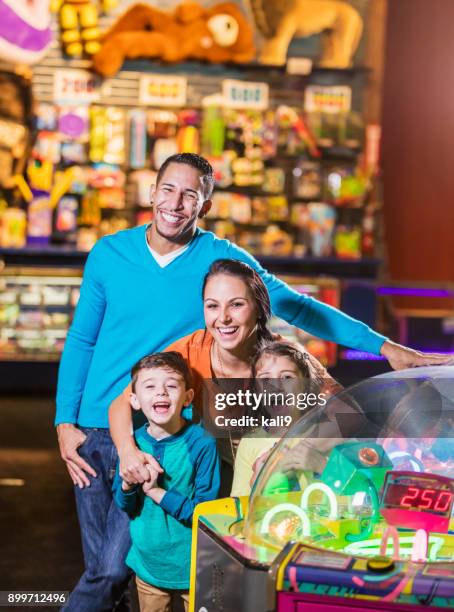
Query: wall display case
point(36, 308)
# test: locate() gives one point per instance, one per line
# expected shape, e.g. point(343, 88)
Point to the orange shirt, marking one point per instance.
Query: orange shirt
point(196, 350)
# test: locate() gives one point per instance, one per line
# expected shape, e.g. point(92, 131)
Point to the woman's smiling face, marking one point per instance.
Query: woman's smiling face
point(230, 311)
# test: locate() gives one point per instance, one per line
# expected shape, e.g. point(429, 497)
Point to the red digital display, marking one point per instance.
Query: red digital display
point(414, 496)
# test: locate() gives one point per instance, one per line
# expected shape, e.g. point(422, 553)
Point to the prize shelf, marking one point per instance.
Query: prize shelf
point(65, 256)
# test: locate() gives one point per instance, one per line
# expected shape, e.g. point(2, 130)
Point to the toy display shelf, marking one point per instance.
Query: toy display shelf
point(65, 256)
point(254, 70)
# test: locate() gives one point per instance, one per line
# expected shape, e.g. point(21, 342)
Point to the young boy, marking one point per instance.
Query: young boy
point(296, 369)
point(161, 508)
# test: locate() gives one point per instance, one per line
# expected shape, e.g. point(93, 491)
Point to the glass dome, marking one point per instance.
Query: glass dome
point(371, 473)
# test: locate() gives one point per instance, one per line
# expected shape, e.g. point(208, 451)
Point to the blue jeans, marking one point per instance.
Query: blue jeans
point(104, 530)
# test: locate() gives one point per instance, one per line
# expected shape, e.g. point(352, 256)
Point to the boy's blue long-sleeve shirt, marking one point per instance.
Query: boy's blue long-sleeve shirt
point(160, 553)
point(129, 307)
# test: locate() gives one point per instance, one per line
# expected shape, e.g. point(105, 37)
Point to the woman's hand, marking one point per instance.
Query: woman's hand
point(134, 465)
point(401, 357)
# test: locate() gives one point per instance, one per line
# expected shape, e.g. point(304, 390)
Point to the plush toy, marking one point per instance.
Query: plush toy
point(16, 127)
point(25, 33)
point(217, 34)
point(280, 21)
point(79, 24)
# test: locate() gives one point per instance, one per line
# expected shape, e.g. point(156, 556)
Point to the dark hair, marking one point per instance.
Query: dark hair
point(195, 161)
point(254, 283)
point(282, 348)
point(170, 360)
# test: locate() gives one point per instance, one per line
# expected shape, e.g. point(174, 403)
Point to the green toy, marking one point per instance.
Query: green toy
point(354, 467)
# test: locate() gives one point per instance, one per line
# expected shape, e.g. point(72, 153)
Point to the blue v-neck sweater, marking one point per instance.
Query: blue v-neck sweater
point(129, 307)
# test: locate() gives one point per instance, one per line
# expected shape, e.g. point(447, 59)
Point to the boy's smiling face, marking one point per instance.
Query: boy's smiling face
point(161, 394)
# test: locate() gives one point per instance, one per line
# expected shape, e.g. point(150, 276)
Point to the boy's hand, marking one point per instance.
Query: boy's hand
point(70, 438)
point(152, 481)
point(127, 486)
point(133, 465)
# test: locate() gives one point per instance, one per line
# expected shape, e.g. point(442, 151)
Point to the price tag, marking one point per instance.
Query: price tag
point(299, 65)
point(321, 99)
point(75, 87)
point(245, 94)
point(157, 90)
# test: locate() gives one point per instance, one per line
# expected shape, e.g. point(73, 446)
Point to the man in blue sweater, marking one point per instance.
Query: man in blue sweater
point(141, 292)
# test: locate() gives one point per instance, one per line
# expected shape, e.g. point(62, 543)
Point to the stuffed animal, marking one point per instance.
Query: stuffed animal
point(16, 126)
point(25, 33)
point(79, 24)
point(280, 21)
point(220, 33)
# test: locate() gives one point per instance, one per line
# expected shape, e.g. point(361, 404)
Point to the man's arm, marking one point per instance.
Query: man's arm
point(207, 481)
point(81, 339)
point(312, 315)
point(331, 324)
point(74, 366)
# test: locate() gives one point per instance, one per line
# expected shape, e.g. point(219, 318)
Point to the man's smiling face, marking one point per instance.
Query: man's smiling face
point(178, 200)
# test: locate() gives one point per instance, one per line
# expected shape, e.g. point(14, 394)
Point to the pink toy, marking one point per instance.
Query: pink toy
point(25, 33)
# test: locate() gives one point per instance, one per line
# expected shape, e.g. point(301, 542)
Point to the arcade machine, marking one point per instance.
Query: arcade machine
point(352, 511)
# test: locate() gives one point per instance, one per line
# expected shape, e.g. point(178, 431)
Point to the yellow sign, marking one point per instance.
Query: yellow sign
point(157, 90)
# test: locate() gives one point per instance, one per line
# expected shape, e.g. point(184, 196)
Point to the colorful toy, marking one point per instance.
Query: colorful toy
point(13, 223)
point(368, 232)
point(46, 117)
point(220, 33)
point(307, 180)
point(213, 131)
point(39, 219)
point(345, 186)
point(332, 522)
point(66, 219)
point(25, 33)
point(16, 126)
point(277, 208)
point(279, 22)
point(73, 123)
point(274, 181)
point(276, 241)
point(294, 134)
point(188, 139)
point(347, 242)
point(107, 134)
point(220, 208)
point(222, 167)
point(248, 171)
point(321, 225)
point(79, 24)
point(239, 208)
point(137, 138)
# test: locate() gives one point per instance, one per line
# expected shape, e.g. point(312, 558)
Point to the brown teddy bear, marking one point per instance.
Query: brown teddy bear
point(217, 34)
